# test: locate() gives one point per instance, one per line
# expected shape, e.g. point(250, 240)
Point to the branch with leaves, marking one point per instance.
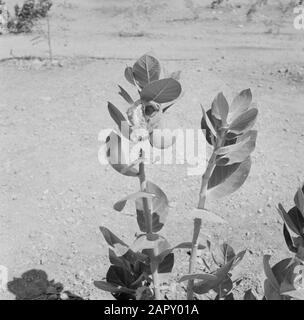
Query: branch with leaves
point(135, 268)
point(228, 130)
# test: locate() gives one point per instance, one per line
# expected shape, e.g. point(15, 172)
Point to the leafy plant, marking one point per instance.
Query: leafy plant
point(134, 270)
point(284, 281)
point(228, 130)
point(217, 280)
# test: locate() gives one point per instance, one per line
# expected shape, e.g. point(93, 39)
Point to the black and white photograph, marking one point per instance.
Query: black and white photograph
point(152, 150)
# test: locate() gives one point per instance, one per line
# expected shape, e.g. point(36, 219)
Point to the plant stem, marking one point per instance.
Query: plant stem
point(196, 231)
point(148, 219)
point(205, 178)
point(143, 187)
point(220, 140)
point(49, 38)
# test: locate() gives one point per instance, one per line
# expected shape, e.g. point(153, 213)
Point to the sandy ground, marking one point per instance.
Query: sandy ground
point(54, 194)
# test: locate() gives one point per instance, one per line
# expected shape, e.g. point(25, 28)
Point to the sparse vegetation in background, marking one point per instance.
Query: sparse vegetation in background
point(26, 15)
point(216, 3)
point(254, 8)
point(45, 35)
point(4, 17)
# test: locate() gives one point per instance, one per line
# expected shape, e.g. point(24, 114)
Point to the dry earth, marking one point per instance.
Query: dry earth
point(54, 194)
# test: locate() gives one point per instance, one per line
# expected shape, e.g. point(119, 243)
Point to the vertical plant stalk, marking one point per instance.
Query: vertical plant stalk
point(49, 38)
point(196, 231)
point(201, 205)
point(148, 219)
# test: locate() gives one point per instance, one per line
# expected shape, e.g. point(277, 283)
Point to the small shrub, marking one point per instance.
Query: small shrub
point(26, 15)
point(134, 271)
point(285, 280)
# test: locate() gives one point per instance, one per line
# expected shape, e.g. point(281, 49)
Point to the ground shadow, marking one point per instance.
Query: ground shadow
point(34, 285)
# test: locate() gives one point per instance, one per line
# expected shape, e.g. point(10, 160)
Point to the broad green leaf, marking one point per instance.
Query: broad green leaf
point(288, 240)
point(116, 115)
point(129, 75)
point(240, 104)
point(119, 261)
point(118, 206)
point(292, 218)
point(162, 257)
point(238, 154)
point(284, 270)
point(227, 179)
point(160, 208)
point(240, 141)
point(188, 245)
point(270, 292)
point(220, 107)
point(207, 126)
point(299, 200)
point(249, 295)
point(116, 156)
point(120, 247)
point(141, 221)
point(166, 264)
point(269, 273)
point(162, 248)
point(160, 203)
point(125, 95)
point(224, 254)
point(198, 276)
point(292, 285)
point(224, 288)
point(122, 278)
point(244, 121)
point(120, 120)
point(287, 286)
point(298, 219)
point(146, 69)
point(161, 91)
point(238, 258)
point(221, 274)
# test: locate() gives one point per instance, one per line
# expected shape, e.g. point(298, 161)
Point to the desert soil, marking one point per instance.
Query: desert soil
point(54, 194)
